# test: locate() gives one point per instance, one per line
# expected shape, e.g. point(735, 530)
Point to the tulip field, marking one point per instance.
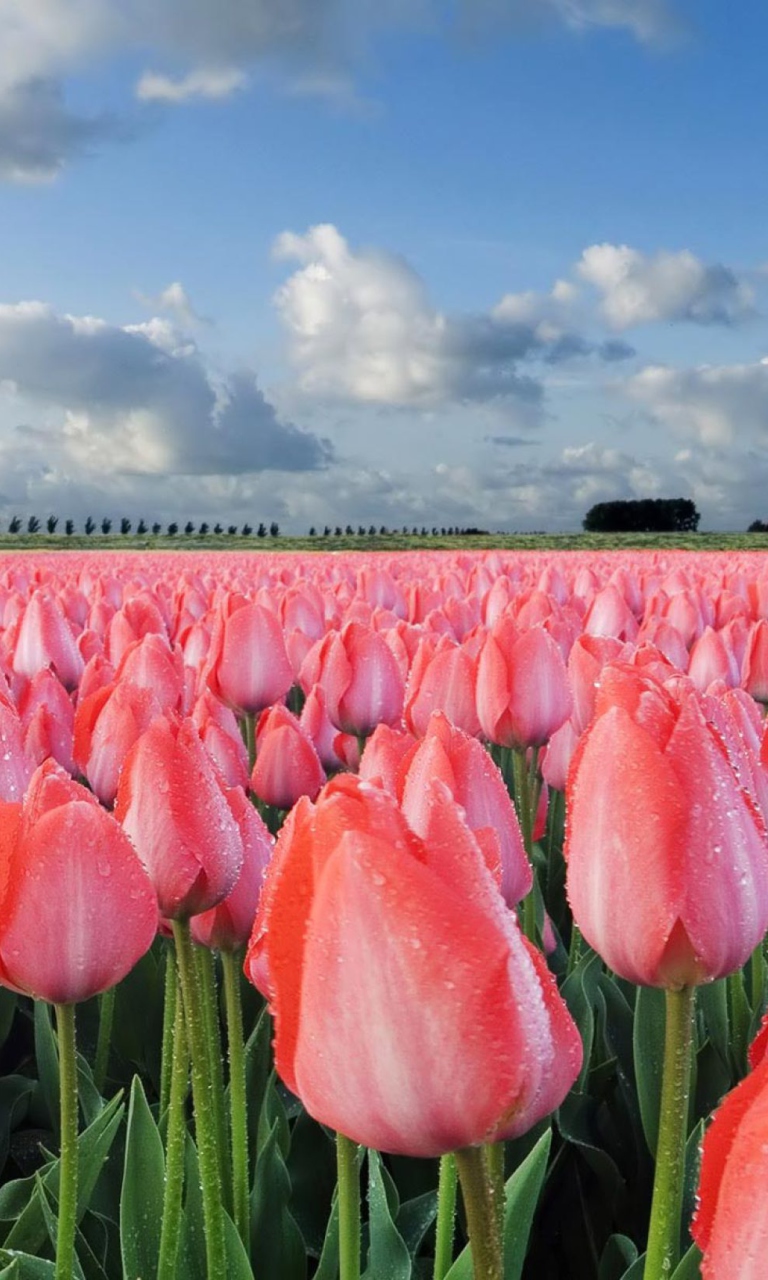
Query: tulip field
point(371, 916)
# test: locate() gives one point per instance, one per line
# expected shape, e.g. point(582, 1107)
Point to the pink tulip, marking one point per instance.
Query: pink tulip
point(287, 764)
point(523, 694)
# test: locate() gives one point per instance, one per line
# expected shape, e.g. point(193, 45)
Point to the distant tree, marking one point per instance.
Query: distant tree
point(337, 531)
point(434, 531)
point(415, 532)
point(125, 525)
point(261, 532)
point(327, 531)
point(141, 527)
point(383, 531)
point(156, 527)
point(643, 515)
point(349, 530)
point(246, 530)
point(106, 525)
point(217, 528)
point(203, 529)
point(173, 529)
point(372, 531)
point(274, 529)
point(361, 531)
point(33, 524)
point(312, 531)
point(90, 525)
point(758, 526)
point(69, 528)
point(232, 530)
point(15, 524)
point(51, 523)
point(189, 528)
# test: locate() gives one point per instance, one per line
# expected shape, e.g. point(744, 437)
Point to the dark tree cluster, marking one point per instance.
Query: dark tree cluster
point(758, 526)
point(643, 515)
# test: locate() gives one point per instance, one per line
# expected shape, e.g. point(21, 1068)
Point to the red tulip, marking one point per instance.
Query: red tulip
point(667, 854)
point(409, 1012)
point(77, 909)
point(173, 806)
point(287, 765)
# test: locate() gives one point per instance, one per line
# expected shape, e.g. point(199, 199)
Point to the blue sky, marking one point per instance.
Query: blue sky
point(485, 262)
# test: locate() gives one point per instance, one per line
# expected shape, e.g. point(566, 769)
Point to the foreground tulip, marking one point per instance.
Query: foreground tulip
point(410, 1014)
point(731, 1221)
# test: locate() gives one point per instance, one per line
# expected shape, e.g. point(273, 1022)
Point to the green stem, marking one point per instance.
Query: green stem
point(194, 1018)
point(106, 1018)
point(482, 1219)
point(237, 1094)
point(169, 1016)
point(494, 1158)
point(174, 1149)
point(206, 961)
point(666, 1208)
point(65, 1237)
point(349, 1208)
point(249, 721)
point(446, 1213)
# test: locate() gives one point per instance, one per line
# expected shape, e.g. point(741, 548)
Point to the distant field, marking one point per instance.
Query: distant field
point(390, 542)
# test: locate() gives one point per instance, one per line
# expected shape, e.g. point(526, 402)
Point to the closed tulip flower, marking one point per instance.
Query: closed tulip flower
point(77, 909)
point(523, 694)
point(410, 1014)
point(227, 926)
point(359, 676)
point(731, 1221)
point(172, 804)
point(287, 765)
point(247, 665)
point(666, 851)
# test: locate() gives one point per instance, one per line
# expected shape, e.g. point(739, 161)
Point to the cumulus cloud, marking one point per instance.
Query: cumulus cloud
point(716, 404)
point(39, 135)
point(140, 399)
point(638, 288)
point(362, 328)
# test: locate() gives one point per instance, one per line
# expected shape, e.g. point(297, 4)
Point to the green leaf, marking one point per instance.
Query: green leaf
point(238, 1266)
point(578, 991)
point(273, 1115)
point(636, 1271)
point(619, 1253)
point(650, 1018)
point(23, 1266)
point(15, 1093)
point(388, 1256)
point(328, 1266)
point(688, 1268)
point(191, 1263)
point(142, 1196)
point(691, 1178)
point(47, 1056)
point(712, 1000)
point(414, 1218)
point(275, 1239)
point(8, 1003)
point(521, 1196)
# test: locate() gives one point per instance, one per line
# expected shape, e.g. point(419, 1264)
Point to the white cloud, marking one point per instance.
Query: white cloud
point(141, 399)
point(174, 300)
point(637, 288)
point(716, 404)
point(205, 82)
point(362, 328)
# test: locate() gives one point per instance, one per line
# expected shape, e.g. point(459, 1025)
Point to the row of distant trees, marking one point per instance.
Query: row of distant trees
point(384, 531)
point(125, 526)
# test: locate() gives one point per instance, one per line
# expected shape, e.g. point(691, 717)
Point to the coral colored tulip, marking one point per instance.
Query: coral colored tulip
point(359, 676)
point(46, 639)
point(667, 854)
point(336, 750)
point(442, 678)
point(77, 909)
point(48, 718)
point(472, 778)
point(287, 765)
point(523, 694)
point(731, 1221)
point(383, 756)
point(172, 805)
point(107, 724)
point(410, 1014)
point(220, 732)
point(227, 926)
point(247, 665)
point(755, 666)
